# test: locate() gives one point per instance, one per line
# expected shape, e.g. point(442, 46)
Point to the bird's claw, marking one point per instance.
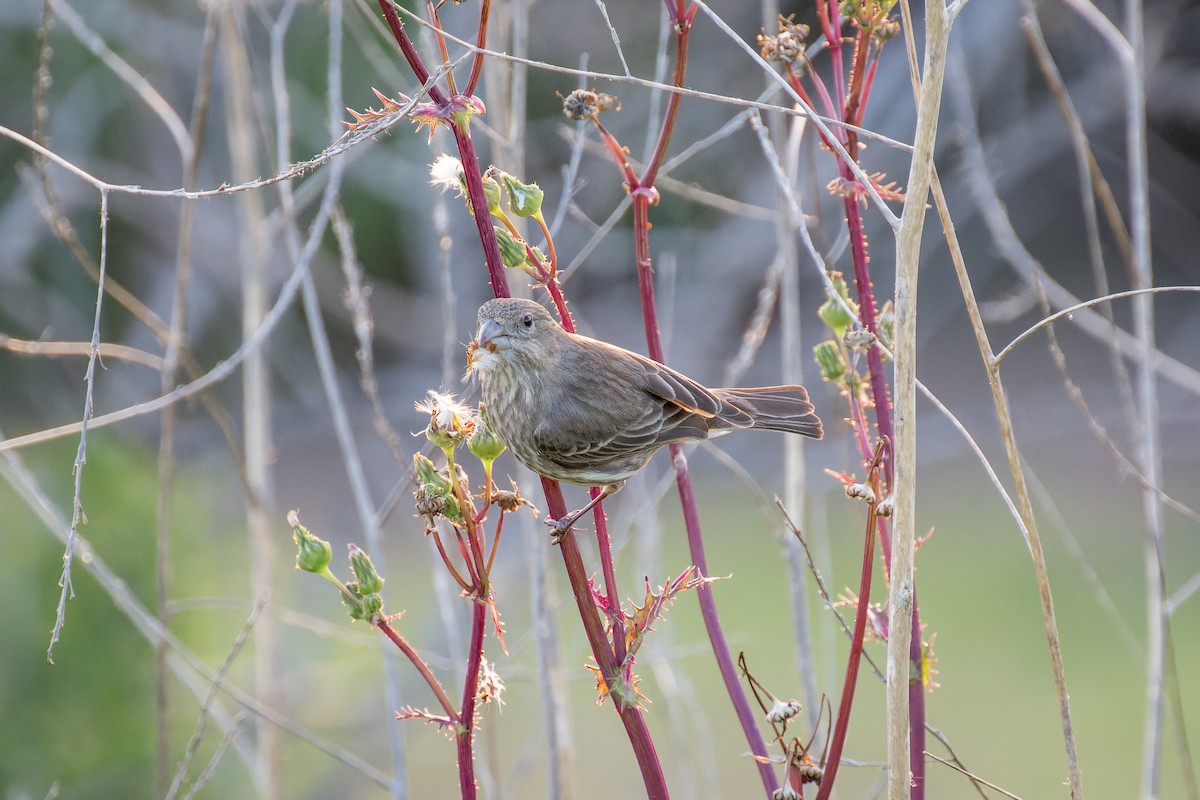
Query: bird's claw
point(559, 528)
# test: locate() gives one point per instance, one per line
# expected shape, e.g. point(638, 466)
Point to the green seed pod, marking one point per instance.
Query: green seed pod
point(524, 198)
point(365, 576)
point(829, 358)
point(484, 444)
point(313, 553)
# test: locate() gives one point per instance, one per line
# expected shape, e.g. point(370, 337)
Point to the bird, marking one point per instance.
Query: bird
point(583, 411)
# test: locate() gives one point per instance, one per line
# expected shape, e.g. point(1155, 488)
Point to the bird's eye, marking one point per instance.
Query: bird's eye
point(527, 320)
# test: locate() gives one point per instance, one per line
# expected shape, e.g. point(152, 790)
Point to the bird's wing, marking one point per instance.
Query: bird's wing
point(584, 442)
point(689, 396)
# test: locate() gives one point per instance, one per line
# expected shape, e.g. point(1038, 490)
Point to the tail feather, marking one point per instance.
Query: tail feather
point(776, 408)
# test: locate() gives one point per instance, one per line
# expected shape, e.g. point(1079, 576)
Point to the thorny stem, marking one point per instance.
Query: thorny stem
point(426, 673)
point(466, 720)
point(481, 43)
point(495, 541)
point(643, 193)
point(466, 152)
point(443, 51)
point(631, 716)
point(446, 560)
point(852, 104)
point(412, 56)
point(604, 544)
point(838, 739)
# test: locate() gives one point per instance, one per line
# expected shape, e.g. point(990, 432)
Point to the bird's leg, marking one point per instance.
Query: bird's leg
point(559, 527)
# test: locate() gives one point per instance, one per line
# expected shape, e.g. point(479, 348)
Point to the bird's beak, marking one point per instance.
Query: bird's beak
point(489, 332)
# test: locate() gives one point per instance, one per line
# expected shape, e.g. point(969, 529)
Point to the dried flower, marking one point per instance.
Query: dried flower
point(450, 422)
point(584, 104)
point(859, 340)
point(446, 172)
point(783, 710)
point(787, 45)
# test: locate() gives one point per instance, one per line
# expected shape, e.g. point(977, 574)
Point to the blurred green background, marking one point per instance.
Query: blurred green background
point(84, 727)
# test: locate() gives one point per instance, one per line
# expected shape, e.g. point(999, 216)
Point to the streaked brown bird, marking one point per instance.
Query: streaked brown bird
point(583, 411)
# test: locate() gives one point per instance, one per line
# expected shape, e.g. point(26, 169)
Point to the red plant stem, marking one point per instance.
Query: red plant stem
point(866, 308)
point(868, 82)
point(604, 545)
point(483, 221)
point(916, 705)
point(879, 390)
point(495, 541)
point(402, 644)
point(466, 720)
point(441, 42)
point(838, 740)
point(852, 113)
point(466, 153)
point(642, 193)
point(683, 26)
point(835, 51)
point(691, 516)
point(464, 549)
point(619, 156)
point(410, 54)
point(446, 560)
point(631, 716)
point(550, 252)
point(480, 42)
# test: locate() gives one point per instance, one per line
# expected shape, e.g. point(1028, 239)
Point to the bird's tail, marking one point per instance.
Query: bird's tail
point(775, 408)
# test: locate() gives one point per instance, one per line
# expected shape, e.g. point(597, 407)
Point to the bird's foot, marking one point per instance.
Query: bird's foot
point(559, 528)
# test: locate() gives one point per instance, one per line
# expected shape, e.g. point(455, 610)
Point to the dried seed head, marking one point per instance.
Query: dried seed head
point(584, 104)
point(783, 710)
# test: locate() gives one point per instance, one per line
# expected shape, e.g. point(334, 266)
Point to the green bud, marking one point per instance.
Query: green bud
point(429, 477)
point(829, 357)
point(525, 198)
point(365, 576)
point(512, 252)
point(491, 190)
point(372, 606)
point(886, 324)
point(313, 554)
point(444, 440)
point(354, 603)
point(833, 313)
point(484, 444)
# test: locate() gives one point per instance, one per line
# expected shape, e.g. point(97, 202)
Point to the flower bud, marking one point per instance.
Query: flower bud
point(372, 606)
point(836, 315)
point(484, 444)
point(365, 576)
point(491, 190)
point(313, 554)
point(525, 198)
point(512, 252)
point(354, 603)
point(428, 476)
point(829, 357)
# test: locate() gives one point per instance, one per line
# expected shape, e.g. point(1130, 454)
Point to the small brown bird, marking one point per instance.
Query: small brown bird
point(583, 411)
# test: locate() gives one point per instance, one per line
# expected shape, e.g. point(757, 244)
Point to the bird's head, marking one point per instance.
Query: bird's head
point(513, 330)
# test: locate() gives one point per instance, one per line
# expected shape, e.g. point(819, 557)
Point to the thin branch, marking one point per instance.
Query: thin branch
point(77, 515)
